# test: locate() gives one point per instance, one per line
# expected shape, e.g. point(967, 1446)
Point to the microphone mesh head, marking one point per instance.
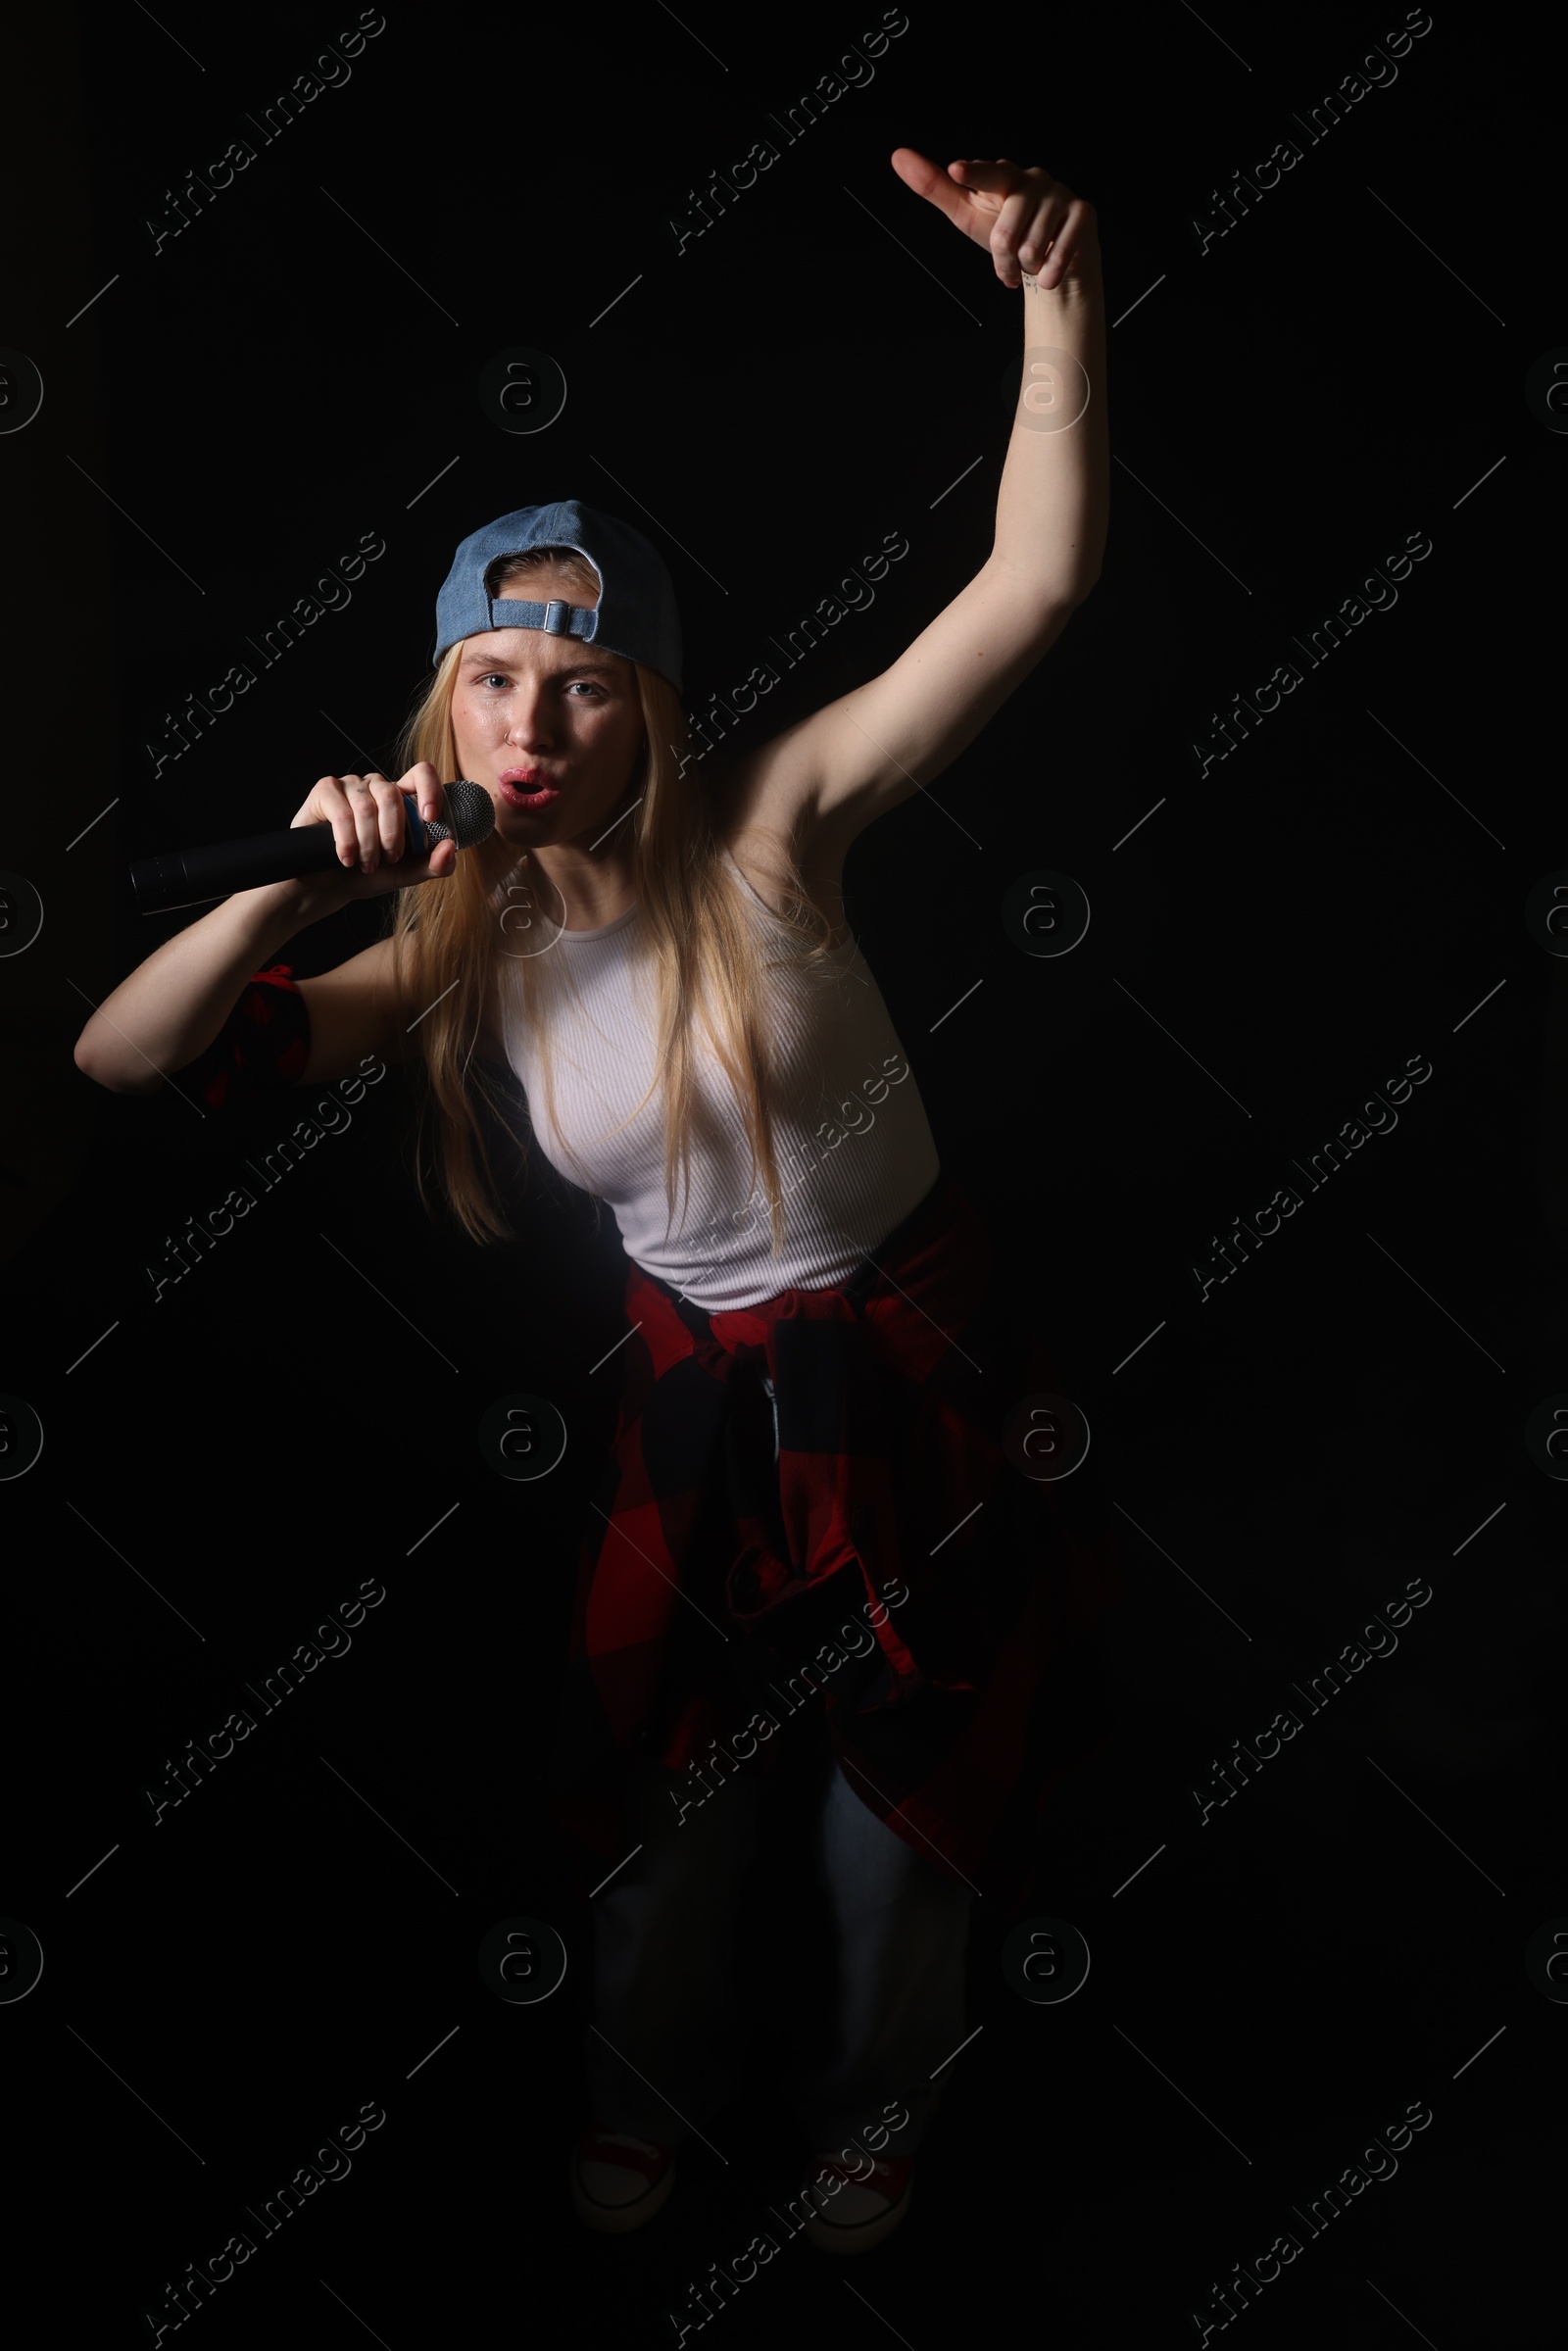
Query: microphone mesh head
point(470, 816)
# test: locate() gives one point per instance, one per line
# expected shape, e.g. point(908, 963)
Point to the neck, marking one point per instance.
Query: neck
point(582, 889)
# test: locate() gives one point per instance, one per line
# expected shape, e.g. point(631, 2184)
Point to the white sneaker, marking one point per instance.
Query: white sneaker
point(866, 2207)
point(618, 2182)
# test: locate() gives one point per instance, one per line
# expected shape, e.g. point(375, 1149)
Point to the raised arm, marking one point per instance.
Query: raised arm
point(858, 756)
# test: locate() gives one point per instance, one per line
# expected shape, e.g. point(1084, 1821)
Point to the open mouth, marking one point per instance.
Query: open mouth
point(524, 791)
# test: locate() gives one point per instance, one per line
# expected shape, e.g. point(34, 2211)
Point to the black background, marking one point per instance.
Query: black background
point(1279, 938)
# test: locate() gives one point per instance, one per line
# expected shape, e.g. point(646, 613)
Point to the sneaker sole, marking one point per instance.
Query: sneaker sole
point(619, 2220)
point(828, 2237)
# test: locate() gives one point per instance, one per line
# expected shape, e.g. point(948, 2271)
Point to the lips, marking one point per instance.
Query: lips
point(532, 792)
point(528, 779)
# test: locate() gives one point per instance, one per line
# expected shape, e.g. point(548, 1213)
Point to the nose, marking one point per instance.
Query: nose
point(529, 728)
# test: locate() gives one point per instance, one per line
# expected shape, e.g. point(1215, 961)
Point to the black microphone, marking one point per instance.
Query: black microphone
point(187, 877)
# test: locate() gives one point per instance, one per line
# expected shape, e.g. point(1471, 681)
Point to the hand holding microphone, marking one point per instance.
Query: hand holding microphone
point(356, 836)
point(371, 849)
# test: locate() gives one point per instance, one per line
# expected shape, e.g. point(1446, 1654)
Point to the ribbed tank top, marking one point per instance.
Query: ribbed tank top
point(852, 1145)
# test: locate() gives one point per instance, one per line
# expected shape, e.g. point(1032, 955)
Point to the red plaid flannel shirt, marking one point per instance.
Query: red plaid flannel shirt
point(263, 1043)
point(710, 1573)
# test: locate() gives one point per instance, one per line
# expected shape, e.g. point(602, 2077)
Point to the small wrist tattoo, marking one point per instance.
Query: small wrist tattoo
point(1033, 283)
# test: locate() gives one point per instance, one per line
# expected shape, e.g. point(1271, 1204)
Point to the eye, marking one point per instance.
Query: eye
point(583, 685)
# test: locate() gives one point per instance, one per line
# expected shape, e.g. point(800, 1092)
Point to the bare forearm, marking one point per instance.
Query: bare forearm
point(1054, 506)
point(174, 1004)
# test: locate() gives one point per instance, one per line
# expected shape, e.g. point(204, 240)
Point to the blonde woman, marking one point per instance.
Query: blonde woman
point(811, 1570)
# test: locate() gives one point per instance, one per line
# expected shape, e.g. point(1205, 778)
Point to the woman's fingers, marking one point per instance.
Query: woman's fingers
point(1049, 210)
point(1071, 232)
point(369, 827)
point(423, 784)
point(412, 870)
point(928, 179)
point(367, 823)
point(409, 873)
point(1027, 219)
point(1018, 220)
point(328, 804)
point(391, 816)
point(366, 816)
point(987, 186)
point(970, 194)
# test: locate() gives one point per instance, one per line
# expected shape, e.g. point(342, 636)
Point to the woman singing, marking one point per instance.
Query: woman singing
point(814, 1565)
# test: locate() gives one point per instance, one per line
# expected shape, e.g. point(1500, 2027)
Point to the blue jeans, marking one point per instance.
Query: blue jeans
point(664, 1961)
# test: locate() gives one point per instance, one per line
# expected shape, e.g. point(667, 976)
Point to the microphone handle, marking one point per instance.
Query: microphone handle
point(189, 877)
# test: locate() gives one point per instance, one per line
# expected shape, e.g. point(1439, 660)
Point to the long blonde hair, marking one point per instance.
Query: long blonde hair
point(708, 953)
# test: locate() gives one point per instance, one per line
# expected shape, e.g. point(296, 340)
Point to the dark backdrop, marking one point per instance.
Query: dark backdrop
point(1345, 891)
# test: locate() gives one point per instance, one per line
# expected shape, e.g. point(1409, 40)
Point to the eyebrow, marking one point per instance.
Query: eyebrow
point(600, 669)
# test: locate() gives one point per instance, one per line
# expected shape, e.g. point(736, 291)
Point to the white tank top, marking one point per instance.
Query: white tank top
point(852, 1141)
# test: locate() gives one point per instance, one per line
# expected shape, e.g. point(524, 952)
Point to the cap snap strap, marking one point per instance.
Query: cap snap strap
point(556, 619)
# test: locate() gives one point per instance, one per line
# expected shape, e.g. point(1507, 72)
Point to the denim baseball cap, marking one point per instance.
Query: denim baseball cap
point(636, 616)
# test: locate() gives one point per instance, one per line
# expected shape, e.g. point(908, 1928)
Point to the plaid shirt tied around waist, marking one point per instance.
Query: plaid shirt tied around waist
point(808, 1502)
